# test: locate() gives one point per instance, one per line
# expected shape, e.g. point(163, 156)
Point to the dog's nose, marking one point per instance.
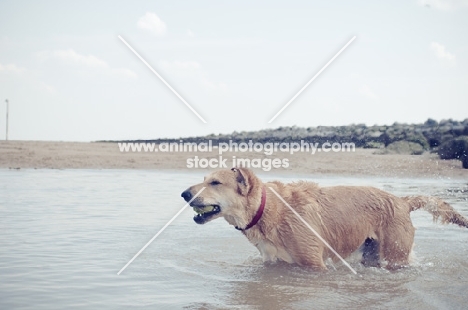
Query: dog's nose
point(187, 195)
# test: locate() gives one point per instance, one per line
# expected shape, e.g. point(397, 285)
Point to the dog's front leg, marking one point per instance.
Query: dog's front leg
point(268, 251)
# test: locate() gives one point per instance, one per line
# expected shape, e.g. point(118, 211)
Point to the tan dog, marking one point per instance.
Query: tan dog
point(346, 217)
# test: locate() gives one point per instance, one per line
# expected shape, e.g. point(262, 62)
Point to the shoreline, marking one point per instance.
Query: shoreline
point(106, 155)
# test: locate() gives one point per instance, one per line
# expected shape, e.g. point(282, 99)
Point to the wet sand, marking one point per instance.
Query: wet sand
point(83, 155)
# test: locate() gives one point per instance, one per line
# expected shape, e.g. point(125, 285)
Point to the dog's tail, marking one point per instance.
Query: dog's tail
point(438, 208)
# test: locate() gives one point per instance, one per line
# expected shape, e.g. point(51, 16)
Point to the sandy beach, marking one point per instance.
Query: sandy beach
point(83, 155)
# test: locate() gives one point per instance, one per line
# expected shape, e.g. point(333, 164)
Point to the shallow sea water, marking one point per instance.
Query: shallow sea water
point(66, 233)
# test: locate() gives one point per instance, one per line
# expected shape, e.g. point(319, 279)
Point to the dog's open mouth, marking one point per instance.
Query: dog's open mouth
point(204, 213)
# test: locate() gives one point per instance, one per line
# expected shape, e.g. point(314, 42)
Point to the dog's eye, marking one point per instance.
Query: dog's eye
point(215, 182)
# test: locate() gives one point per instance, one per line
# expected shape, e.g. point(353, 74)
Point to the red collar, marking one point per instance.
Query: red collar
point(259, 212)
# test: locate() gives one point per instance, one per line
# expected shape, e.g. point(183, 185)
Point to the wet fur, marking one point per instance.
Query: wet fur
point(347, 217)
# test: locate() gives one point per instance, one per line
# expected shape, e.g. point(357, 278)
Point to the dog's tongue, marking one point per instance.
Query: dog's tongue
point(205, 209)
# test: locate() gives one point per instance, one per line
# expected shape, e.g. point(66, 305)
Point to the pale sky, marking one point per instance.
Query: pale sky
point(68, 76)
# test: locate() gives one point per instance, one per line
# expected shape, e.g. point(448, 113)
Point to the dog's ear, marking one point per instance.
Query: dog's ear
point(243, 180)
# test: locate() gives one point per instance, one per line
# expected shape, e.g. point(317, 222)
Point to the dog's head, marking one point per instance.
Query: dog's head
point(226, 194)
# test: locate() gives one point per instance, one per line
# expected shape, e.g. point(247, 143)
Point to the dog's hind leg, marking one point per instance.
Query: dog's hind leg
point(396, 246)
point(370, 253)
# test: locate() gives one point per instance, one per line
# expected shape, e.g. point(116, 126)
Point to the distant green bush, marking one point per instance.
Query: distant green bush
point(403, 147)
point(455, 149)
point(406, 147)
point(373, 145)
point(419, 139)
